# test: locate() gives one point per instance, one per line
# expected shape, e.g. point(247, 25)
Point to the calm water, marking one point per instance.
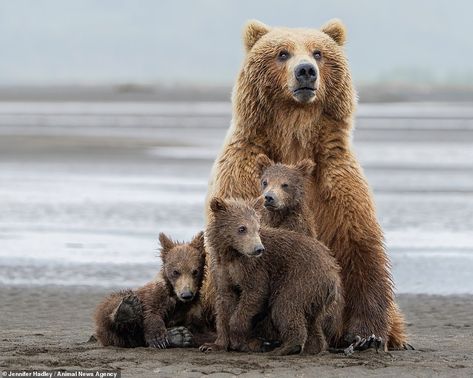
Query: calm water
point(86, 187)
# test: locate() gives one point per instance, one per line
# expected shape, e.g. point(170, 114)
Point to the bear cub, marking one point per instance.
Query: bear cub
point(144, 317)
point(284, 189)
point(289, 277)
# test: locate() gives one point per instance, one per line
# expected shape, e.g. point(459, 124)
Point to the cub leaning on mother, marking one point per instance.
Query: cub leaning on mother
point(294, 99)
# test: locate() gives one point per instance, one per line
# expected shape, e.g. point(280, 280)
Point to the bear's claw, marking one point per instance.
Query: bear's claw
point(211, 347)
point(363, 343)
point(408, 346)
point(179, 337)
point(159, 343)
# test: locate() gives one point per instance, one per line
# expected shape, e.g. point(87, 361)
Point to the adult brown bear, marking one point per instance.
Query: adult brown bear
point(294, 99)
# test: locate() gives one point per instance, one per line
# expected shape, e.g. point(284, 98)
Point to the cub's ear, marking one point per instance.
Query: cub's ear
point(258, 203)
point(166, 245)
point(217, 205)
point(252, 32)
point(198, 242)
point(263, 162)
point(306, 167)
point(336, 30)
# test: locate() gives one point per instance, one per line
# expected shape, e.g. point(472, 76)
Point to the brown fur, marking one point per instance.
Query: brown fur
point(273, 283)
point(268, 118)
point(142, 317)
point(286, 185)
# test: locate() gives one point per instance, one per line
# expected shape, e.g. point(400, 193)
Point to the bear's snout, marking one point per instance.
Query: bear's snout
point(269, 199)
point(186, 295)
point(306, 75)
point(258, 251)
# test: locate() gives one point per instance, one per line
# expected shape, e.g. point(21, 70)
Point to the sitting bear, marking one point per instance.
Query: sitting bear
point(143, 317)
point(284, 192)
point(263, 270)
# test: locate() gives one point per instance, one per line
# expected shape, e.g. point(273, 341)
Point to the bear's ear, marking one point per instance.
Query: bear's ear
point(198, 242)
point(263, 162)
point(217, 205)
point(253, 31)
point(166, 245)
point(306, 167)
point(336, 30)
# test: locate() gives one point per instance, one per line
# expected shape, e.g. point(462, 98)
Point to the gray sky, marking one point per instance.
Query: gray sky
point(198, 41)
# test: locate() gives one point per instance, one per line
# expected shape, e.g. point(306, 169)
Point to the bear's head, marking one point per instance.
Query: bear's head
point(283, 185)
point(183, 265)
point(307, 67)
point(235, 225)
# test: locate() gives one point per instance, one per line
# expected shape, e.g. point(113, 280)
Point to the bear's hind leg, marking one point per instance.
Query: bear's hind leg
point(292, 328)
point(127, 320)
point(316, 341)
point(128, 311)
point(118, 320)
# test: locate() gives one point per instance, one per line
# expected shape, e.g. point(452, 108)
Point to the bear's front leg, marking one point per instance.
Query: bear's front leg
point(155, 331)
point(225, 305)
point(347, 224)
point(251, 304)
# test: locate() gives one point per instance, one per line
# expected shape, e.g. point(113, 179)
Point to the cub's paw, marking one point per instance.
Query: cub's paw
point(211, 347)
point(179, 337)
point(362, 343)
point(159, 341)
point(128, 310)
point(269, 345)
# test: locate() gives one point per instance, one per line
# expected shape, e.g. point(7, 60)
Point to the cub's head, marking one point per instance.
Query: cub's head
point(303, 66)
point(183, 265)
point(235, 224)
point(282, 185)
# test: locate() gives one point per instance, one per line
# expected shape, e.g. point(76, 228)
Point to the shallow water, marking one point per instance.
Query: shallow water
point(86, 187)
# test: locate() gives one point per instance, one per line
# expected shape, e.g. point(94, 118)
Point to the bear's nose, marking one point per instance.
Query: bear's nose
point(268, 199)
point(306, 73)
point(259, 250)
point(186, 295)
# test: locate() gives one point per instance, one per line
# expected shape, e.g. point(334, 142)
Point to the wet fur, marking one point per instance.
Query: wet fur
point(274, 284)
point(294, 212)
point(267, 120)
point(155, 306)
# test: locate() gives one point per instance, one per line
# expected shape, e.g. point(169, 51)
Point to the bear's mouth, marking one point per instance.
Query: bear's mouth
point(304, 95)
point(304, 90)
point(270, 206)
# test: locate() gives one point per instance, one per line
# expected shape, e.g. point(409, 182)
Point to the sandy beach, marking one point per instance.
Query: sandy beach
point(49, 328)
point(86, 187)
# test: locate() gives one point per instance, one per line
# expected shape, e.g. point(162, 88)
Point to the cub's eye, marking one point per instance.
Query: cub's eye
point(264, 183)
point(284, 185)
point(176, 273)
point(283, 55)
point(241, 229)
point(317, 55)
point(195, 272)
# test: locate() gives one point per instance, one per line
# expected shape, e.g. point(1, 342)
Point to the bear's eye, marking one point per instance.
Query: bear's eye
point(283, 55)
point(241, 229)
point(317, 55)
point(284, 186)
point(176, 273)
point(264, 183)
point(195, 272)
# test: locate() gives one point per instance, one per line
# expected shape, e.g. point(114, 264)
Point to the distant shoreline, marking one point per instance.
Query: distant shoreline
point(130, 92)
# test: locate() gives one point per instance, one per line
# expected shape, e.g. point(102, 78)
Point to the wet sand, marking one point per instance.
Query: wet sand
point(49, 328)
